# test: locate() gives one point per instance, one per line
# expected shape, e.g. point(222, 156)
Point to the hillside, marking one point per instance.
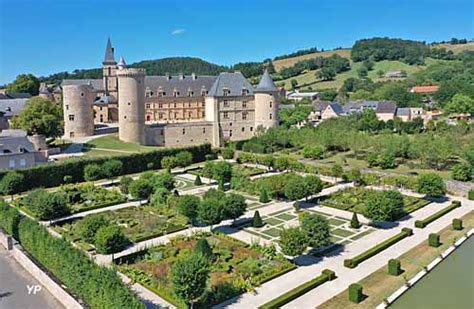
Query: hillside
point(288, 62)
point(457, 48)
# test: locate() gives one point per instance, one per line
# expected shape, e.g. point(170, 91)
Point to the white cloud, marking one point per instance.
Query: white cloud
point(178, 31)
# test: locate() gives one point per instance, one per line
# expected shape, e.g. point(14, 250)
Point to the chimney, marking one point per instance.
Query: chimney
point(167, 76)
point(193, 76)
point(181, 76)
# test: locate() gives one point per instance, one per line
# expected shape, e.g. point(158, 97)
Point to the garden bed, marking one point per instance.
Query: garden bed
point(236, 267)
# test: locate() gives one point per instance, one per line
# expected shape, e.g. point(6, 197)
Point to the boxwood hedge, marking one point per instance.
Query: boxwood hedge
point(423, 223)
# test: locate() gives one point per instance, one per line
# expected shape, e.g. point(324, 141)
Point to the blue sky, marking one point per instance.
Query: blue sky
point(47, 36)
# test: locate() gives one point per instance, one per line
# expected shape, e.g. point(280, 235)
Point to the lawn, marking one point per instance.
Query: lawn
point(138, 223)
point(182, 183)
point(379, 285)
point(235, 267)
point(112, 143)
point(353, 200)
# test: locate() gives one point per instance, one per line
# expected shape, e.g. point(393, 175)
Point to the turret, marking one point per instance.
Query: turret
point(78, 111)
point(267, 102)
point(131, 105)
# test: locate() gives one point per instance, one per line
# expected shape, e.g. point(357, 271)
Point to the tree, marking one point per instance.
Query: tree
point(313, 152)
point(89, 226)
point(112, 168)
point(234, 206)
point(189, 276)
point(294, 83)
point(362, 72)
point(356, 176)
point(337, 171)
point(11, 183)
point(125, 182)
point(431, 184)
point(263, 198)
point(159, 197)
point(210, 211)
point(387, 160)
point(380, 73)
point(326, 73)
point(293, 242)
point(257, 220)
point(141, 188)
point(92, 172)
point(312, 184)
point(24, 83)
point(202, 247)
point(227, 153)
point(110, 239)
point(169, 163)
point(355, 224)
point(461, 103)
point(163, 180)
point(184, 158)
point(47, 206)
point(295, 188)
point(462, 172)
point(40, 116)
point(383, 205)
point(198, 181)
point(316, 229)
point(188, 206)
point(281, 163)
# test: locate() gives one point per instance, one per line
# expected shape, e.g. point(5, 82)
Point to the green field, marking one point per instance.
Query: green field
point(113, 144)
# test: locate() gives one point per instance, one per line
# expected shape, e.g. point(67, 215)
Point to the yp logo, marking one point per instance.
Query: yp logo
point(33, 289)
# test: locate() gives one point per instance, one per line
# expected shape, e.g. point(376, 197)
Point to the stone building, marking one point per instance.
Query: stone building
point(169, 110)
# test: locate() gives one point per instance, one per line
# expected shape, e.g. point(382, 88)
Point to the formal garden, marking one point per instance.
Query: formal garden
point(230, 268)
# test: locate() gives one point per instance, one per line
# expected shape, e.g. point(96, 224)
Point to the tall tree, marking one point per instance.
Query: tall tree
point(24, 83)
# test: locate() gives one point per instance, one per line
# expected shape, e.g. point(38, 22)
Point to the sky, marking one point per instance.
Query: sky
point(48, 36)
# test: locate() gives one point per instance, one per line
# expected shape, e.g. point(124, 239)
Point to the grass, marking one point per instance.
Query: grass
point(379, 285)
point(273, 221)
point(336, 222)
point(285, 217)
point(112, 143)
point(342, 233)
point(288, 62)
point(273, 232)
point(458, 48)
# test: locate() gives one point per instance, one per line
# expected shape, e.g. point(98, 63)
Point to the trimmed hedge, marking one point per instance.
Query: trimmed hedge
point(433, 240)
point(457, 224)
point(355, 261)
point(355, 293)
point(394, 267)
point(470, 195)
point(326, 275)
point(52, 175)
point(97, 286)
point(9, 219)
point(423, 223)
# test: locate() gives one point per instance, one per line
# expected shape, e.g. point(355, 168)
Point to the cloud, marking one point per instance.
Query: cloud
point(178, 31)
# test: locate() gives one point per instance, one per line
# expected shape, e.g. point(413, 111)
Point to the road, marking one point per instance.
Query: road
point(13, 287)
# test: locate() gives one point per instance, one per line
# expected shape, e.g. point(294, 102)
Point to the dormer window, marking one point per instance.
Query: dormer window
point(175, 93)
point(190, 93)
point(226, 92)
point(245, 91)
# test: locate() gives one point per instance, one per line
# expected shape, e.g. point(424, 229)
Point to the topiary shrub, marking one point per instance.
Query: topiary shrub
point(394, 267)
point(355, 293)
point(198, 181)
point(456, 203)
point(457, 224)
point(407, 231)
point(355, 224)
point(202, 247)
point(257, 220)
point(433, 240)
point(264, 196)
point(470, 195)
point(297, 206)
point(419, 224)
point(330, 274)
point(349, 263)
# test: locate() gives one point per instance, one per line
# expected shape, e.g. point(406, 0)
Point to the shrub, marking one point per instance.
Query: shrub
point(419, 224)
point(141, 188)
point(355, 293)
point(112, 168)
point(433, 240)
point(257, 220)
point(297, 206)
point(316, 229)
point(470, 195)
point(125, 182)
point(422, 223)
point(457, 224)
point(462, 172)
point(202, 247)
point(46, 206)
point(76, 270)
point(227, 153)
point(9, 219)
point(11, 183)
point(383, 205)
point(93, 172)
point(355, 224)
point(169, 163)
point(431, 184)
point(89, 226)
point(110, 239)
point(197, 181)
point(394, 267)
point(264, 196)
point(293, 241)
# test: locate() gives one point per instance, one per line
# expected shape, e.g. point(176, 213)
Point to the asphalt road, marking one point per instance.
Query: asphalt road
point(14, 282)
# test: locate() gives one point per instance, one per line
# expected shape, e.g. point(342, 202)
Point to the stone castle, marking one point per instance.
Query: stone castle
point(169, 110)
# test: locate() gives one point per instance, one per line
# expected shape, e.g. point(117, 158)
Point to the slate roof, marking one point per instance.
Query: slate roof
point(359, 106)
point(234, 82)
point(403, 111)
point(320, 106)
point(12, 107)
point(386, 107)
point(109, 53)
point(15, 141)
point(19, 95)
point(169, 84)
point(337, 108)
point(266, 84)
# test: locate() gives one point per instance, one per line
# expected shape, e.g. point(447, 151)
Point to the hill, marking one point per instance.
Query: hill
point(172, 65)
point(457, 48)
point(288, 62)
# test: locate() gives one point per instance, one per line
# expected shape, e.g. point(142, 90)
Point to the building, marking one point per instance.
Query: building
point(395, 74)
point(424, 89)
point(17, 150)
point(298, 96)
point(169, 110)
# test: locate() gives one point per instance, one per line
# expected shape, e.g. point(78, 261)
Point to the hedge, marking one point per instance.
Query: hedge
point(9, 219)
point(457, 224)
point(433, 240)
point(355, 293)
point(394, 267)
point(470, 195)
point(97, 286)
point(326, 275)
point(355, 261)
point(423, 223)
point(52, 175)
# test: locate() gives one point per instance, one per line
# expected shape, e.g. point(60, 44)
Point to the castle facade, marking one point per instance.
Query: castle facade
point(169, 110)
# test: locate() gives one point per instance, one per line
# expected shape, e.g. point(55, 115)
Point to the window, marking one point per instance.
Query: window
point(101, 118)
point(161, 132)
point(190, 115)
point(124, 117)
point(100, 108)
point(271, 103)
point(160, 115)
point(148, 117)
point(203, 130)
point(175, 115)
point(160, 105)
point(71, 117)
point(226, 92)
point(11, 164)
point(129, 103)
point(243, 129)
point(189, 104)
point(184, 131)
point(251, 129)
point(147, 105)
point(226, 103)
point(245, 91)
point(202, 104)
point(244, 116)
point(203, 114)
point(203, 93)
point(176, 93)
point(270, 116)
point(244, 104)
point(22, 162)
point(230, 132)
point(67, 107)
point(82, 94)
point(190, 93)
point(174, 104)
point(226, 115)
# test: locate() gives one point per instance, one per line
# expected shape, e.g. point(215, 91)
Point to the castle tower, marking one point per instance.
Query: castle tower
point(131, 105)
point(109, 70)
point(267, 102)
point(78, 111)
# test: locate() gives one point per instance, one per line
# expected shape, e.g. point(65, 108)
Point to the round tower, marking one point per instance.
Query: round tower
point(78, 111)
point(267, 102)
point(131, 105)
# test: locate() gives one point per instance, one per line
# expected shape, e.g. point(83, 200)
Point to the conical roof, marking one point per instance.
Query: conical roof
point(109, 53)
point(266, 84)
point(122, 63)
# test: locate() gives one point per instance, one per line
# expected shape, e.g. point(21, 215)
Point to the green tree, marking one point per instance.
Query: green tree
point(312, 184)
point(356, 176)
point(169, 163)
point(313, 152)
point(189, 276)
point(125, 182)
point(293, 241)
point(460, 103)
point(387, 160)
point(383, 205)
point(141, 188)
point(257, 220)
point(202, 247)
point(263, 198)
point(188, 206)
point(110, 239)
point(93, 172)
point(112, 168)
point(337, 171)
point(11, 183)
point(234, 206)
point(184, 158)
point(294, 83)
point(362, 72)
point(355, 224)
point(210, 211)
point(431, 184)
point(89, 226)
point(24, 83)
point(316, 229)
point(326, 73)
point(227, 153)
point(462, 172)
point(295, 188)
point(40, 116)
point(198, 181)
point(47, 206)
point(159, 197)
point(282, 163)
